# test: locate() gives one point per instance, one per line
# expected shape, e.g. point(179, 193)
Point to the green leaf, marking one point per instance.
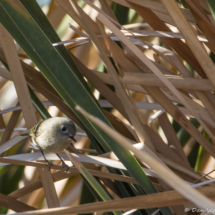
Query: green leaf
point(90, 179)
point(211, 4)
point(86, 196)
point(36, 102)
point(118, 11)
point(193, 156)
point(53, 66)
point(38, 105)
point(200, 157)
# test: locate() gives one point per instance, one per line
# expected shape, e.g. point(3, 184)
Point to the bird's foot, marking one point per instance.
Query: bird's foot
point(64, 165)
point(49, 164)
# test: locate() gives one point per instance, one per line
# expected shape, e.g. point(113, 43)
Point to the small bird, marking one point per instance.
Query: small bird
point(53, 135)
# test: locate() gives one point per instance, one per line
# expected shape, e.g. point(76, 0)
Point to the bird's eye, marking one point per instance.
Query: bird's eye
point(63, 128)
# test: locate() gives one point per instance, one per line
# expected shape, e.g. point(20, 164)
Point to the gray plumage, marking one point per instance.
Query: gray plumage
point(53, 135)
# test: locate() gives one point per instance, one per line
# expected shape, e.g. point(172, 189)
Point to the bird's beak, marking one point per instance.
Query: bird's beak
point(71, 137)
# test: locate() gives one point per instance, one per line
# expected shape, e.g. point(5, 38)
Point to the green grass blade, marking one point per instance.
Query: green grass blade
point(211, 4)
point(93, 192)
point(91, 180)
point(200, 157)
point(39, 17)
point(36, 102)
point(50, 62)
point(38, 105)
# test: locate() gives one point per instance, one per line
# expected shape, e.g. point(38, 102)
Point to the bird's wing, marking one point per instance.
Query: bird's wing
point(27, 133)
point(33, 145)
point(36, 131)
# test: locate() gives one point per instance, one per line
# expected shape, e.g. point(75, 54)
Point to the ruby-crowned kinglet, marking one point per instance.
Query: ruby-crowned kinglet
point(53, 135)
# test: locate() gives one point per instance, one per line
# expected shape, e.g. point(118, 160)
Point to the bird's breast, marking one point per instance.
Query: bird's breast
point(53, 145)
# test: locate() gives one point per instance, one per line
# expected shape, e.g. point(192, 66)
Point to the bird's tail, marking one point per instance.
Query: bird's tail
point(26, 133)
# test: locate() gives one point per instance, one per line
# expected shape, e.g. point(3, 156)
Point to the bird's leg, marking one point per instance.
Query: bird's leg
point(36, 146)
point(63, 163)
point(49, 163)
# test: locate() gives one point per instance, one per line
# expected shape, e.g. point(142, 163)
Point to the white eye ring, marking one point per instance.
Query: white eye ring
point(63, 128)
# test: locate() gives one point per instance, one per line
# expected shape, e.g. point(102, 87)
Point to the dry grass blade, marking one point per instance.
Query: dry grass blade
point(142, 57)
point(14, 205)
point(4, 73)
point(84, 40)
point(21, 159)
point(190, 37)
point(65, 4)
point(56, 177)
point(10, 143)
point(26, 104)
point(171, 136)
point(18, 77)
point(61, 175)
point(102, 161)
point(166, 174)
point(141, 202)
point(178, 81)
point(158, 9)
point(101, 87)
point(181, 48)
point(36, 80)
point(10, 127)
point(155, 94)
point(201, 111)
point(127, 102)
point(80, 33)
point(91, 180)
point(187, 82)
point(160, 146)
point(204, 23)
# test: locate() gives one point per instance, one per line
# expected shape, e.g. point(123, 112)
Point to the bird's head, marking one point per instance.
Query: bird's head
point(67, 128)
